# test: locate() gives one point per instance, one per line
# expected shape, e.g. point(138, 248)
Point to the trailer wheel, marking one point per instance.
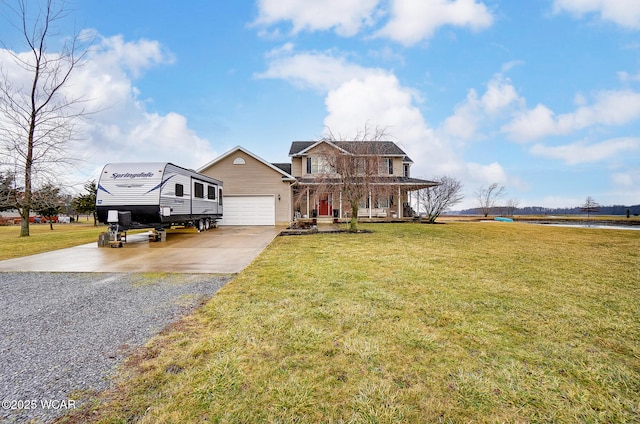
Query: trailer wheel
point(200, 225)
point(207, 224)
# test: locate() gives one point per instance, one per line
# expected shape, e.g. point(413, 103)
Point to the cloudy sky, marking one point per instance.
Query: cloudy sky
point(542, 96)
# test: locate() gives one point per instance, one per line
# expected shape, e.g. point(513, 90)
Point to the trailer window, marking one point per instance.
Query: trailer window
point(179, 190)
point(198, 190)
point(211, 192)
point(220, 196)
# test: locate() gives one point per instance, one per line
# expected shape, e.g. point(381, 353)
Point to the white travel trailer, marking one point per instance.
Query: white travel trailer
point(157, 195)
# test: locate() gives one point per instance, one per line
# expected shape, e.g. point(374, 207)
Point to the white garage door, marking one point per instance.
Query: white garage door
point(249, 210)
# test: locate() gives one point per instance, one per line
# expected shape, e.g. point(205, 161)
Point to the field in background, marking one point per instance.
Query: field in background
point(613, 219)
point(462, 322)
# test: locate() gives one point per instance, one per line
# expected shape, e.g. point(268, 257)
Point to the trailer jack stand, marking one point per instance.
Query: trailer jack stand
point(157, 235)
point(116, 237)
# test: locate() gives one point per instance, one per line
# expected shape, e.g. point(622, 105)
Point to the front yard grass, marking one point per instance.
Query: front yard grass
point(43, 239)
point(462, 322)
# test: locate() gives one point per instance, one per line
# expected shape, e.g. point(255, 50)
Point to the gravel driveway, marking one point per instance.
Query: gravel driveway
point(64, 333)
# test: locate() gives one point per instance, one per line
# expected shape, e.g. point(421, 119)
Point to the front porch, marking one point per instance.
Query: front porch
point(387, 198)
point(320, 207)
point(310, 205)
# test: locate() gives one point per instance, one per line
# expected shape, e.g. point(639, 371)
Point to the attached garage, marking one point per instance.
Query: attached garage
point(256, 192)
point(249, 210)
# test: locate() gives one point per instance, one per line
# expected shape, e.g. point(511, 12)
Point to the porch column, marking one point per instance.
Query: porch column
point(370, 205)
point(308, 215)
point(340, 211)
point(399, 203)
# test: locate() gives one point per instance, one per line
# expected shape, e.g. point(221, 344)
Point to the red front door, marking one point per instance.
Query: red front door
point(324, 204)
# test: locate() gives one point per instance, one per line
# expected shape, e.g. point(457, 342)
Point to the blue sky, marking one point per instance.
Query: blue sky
point(542, 96)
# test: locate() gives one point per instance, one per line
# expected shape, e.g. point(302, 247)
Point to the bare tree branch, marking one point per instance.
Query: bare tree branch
point(38, 122)
point(487, 197)
point(590, 206)
point(437, 199)
point(511, 206)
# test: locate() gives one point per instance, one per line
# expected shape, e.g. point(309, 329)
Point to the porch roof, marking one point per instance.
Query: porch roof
point(407, 182)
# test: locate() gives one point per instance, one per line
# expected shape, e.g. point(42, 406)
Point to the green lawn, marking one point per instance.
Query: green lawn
point(461, 322)
point(43, 239)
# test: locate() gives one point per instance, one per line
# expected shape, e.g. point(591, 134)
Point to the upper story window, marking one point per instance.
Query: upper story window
point(239, 161)
point(406, 170)
point(318, 165)
point(386, 166)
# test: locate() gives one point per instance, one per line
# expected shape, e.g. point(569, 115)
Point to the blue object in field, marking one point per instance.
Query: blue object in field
point(501, 219)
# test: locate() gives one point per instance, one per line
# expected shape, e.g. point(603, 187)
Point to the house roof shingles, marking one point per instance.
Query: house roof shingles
point(387, 148)
point(286, 167)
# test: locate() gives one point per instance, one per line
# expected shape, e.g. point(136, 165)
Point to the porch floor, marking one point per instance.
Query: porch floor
point(337, 221)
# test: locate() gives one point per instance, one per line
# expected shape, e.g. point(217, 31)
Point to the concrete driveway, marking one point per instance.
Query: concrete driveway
point(223, 250)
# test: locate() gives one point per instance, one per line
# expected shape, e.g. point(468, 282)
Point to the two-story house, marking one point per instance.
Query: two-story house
point(327, 171)
point(257, 192)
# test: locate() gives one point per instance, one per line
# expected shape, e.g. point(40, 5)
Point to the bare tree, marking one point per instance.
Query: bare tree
point(352, 168)
point(511, 206)
point(437, 199)
point(38, 119)
point(487, 197)
point(590, 206)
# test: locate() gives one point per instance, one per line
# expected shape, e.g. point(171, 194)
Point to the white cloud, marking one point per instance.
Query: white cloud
point(625, 13)
point(122, 129)
point(381, 100)
point(625, 187)
point(357, 96)
point(559, 201)
point(488, 174)
point(119, 128)
point(315, 70)
point(626, 179)
point(499, 96)
point(345, 16)
point(134, 56)
point(532, 124)
point(412, 21)
point(624, 76)
point(581, 152)
point(408, 21)
point(611, 108)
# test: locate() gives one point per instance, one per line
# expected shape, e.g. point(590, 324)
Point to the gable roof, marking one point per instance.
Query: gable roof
point(385, 148)
point(286, 176)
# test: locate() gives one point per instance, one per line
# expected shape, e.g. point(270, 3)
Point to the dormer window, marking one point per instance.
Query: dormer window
point(406, 170)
